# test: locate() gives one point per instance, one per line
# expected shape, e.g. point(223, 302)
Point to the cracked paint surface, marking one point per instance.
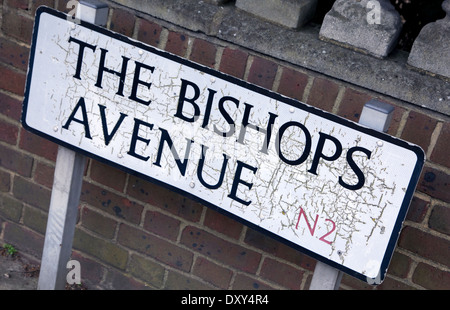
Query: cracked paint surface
point(358, 224)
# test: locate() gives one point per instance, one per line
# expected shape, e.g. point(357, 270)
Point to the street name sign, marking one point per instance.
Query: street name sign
point(332, 188)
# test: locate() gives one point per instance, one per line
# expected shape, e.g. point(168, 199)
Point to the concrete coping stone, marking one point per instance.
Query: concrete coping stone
point(288, 13)
point(433, 41)
point(371, 26)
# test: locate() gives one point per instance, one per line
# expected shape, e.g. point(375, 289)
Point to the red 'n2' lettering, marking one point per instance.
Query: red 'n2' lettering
point(313, 228)
point(328, 233)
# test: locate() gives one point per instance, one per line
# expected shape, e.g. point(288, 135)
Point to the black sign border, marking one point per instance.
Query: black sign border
point(268, 93)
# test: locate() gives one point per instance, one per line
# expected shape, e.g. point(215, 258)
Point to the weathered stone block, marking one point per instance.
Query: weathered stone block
point(368, 26)
point(431, 49)
point(288, 13)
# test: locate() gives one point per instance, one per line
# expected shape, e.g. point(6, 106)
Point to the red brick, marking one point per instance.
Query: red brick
point(119, 281)
point(203, 52)
point(123, 22)
point(44, 173)
point(114, 204)
point(15, 161)
point(233, 62)
point(165, 199)
point(10, 107)
point(91, 271)
point(355, 283)
point(292, 83)
point(23, 239)
point(155, 247)
point(8, 132)
point(434, 183)
point(216, 248)
point(14, 54)
point(12, 80)
point(244, 282)
point(440, 219)
point(62, 6)
point(149, 32)
point(352, 104)
point(37, 3)
point(441, 151)
point(17, 26)
point(177, 43)
point(181, 282)
point(323, 94)
point(262, 72)
point(108, 252)
point(425, 245)
point(223, 224)
point(107, 175)
point(31, 193)
point(98, 223)
point(35, 219)
point(400, 265)
point(392, 284)
point(5, 181)
point(141, 189)
point(272, 246)
point(418, 129)
point(162, 225)
point(37, 145)
point(282, 274)
point(11, 209)
point(212, 273)
point(18, 4)
point(431, 278)
point(396, 119)
point(417, 210)
point(146, 270)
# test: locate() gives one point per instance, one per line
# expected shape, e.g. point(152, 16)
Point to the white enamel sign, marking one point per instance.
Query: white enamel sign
point(324, 185)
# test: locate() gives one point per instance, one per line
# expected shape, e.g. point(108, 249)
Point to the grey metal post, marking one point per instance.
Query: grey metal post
point(376, 115)
point(61, 219)
point(66, 190)
point(325, 277)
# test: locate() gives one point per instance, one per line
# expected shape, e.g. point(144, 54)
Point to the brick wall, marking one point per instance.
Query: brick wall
point(134, 234)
